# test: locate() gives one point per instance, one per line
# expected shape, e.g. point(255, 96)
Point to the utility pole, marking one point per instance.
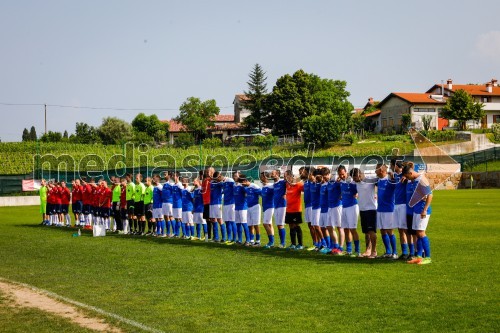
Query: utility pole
point(45, 118)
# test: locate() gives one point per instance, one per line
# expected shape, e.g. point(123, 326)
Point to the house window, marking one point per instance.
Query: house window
point(430, 110)
point(486, 99)
point(496, 118)
point(384, 123)
point(391, 122)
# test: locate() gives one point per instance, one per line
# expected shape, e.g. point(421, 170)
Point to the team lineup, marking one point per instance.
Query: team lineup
point(230, 210)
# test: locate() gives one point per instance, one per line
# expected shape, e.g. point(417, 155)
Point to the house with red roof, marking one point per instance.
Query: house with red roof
point(431, 103)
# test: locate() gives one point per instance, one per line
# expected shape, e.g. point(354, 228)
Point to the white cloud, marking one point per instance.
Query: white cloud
point(488, 45)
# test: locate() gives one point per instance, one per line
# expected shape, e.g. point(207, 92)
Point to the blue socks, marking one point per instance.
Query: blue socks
point(427, 246)
point(198, 231)
point(412, 249)
point(393, 244)
point(282, 233)
point(216, 231)
point(169, 224)
point(239, 229)
point(404, 249)
point(271, 239)
point(184, 231)
point(205, 230)
point(257, 237)
point(420, 247)
point(247, 232)
point(328, 242)
point(223, 231)
point(348, 247)
point(387, 243)
point(235, 231)
point(356, 246)
point(191, 228)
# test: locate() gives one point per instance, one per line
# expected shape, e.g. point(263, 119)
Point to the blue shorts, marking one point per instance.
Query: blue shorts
point(64, 209)
point(77, 207)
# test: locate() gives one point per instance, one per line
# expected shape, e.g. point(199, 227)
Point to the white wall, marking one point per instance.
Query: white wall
point(20, 201)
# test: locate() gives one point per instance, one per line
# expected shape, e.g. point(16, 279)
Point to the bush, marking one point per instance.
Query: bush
point(440, 135)
point(495, 129)
point(237, 142)
point(184, 140)
point(212, 143)
point(350, 138)
point(265, 141)
point(142, 137)
point(402, 138)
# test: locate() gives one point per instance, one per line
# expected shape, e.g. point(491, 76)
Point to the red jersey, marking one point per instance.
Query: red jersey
point(123, 197)
point(58, 195)
point(65, 195)
point(76, 193)
point(51, 196)
point(293, 197)
point(105, 195)
point(205, 190)
point(87, 194)
point(96, 191)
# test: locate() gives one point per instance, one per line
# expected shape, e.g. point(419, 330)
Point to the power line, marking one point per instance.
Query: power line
point(97, 108)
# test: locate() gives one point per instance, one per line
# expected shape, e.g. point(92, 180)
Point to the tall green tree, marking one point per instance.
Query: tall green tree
point(84, 133)
point(33, 136)
point(323, 128)
point(114, 131)
point(26, 135)
point(462, 107)
point(197, 116)
point(256, 94)
point(150, 125)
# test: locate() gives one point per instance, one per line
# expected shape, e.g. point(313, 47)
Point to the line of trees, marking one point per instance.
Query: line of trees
point(143, 129)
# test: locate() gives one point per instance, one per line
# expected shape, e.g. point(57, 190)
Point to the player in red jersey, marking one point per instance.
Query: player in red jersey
point(76, 201)
point(123, 205)
point(65, 195)
point(51, 202)
point(87, 203)
point(58, 199)
point(105, 203)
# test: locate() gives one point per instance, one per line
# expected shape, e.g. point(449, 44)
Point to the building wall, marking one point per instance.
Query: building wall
point(391, 111)
point(417, 116)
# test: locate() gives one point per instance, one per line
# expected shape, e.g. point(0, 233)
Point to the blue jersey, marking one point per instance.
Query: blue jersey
point(349, 191)
point(307, 193)
point(216, 193)
point(198, 201)
point(400, 192)
point(419, 207)
point(157, 199)
point(323, 198)
point(253, 194)
point(227, 188)
point(240, 197)
point(177, 195)
point(279, 194)
point(187, 201)
point(410, 187)
point(385, 195)
point(334, 194)
point(166, 193)
point(267, 197)
point(315, 194)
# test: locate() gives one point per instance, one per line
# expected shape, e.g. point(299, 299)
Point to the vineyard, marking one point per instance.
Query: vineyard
point(24, 157)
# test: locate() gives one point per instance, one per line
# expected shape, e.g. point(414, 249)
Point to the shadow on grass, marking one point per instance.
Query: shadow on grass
point(274, 252)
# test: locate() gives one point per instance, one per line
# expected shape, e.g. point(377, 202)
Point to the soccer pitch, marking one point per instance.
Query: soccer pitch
point(185, 286)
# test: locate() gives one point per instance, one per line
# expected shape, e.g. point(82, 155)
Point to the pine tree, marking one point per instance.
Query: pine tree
point(26, 135)
point(256, 94)
point(33, 136)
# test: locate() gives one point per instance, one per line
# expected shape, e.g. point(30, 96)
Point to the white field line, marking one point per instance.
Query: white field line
point(85, 306)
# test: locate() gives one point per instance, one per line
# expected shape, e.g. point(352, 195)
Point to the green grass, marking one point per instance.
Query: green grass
point(487, 166)
point(176, 285)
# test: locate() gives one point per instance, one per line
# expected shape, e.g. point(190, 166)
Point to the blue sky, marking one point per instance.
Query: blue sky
point(155, 54)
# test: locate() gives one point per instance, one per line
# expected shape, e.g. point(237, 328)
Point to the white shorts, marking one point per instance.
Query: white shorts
point(400, 216)
point(228, 213)
point(350, 217)
point(177, 213)
point(315, 215)
point(215, 212)
point(335, 216)
point(279, 215)
point(157, 213)
point(385, 220)
point(240, 216)
point(268, 216)
point(420, 223)
point(187, 217)
point(324, 220)
point(308, 214)
point(253, 217)
point(198, 218)
point(166, 209)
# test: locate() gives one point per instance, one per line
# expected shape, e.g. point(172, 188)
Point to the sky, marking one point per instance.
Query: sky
point(156, 54)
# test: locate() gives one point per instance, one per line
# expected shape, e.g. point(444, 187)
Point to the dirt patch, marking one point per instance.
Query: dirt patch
point(25, 297)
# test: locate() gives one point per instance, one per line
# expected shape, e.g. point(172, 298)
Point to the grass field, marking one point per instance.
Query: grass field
point(181, 286)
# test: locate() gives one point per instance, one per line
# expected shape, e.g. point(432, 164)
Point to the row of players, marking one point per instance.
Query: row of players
point(233, 205)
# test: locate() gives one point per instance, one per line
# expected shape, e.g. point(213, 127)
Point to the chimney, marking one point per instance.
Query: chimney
point(489, 87)
point(450, 84)
point(370, 100)
point(494, 82)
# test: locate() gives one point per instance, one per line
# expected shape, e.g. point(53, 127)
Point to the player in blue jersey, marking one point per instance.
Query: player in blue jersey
point(385, 211)
point(167, 205)
point(253, 193)
point(216, 206)
point(279, 198)
point(315, 188)
point(400, 208)
point(421, 214)
point(334, 213)
point(325, 222)
point(177, 204)
point(305, 174)
point(342, 175)
point(157, 207)
point(187, 210)
point(412, 234)
point(267, 207)
point(350, 213)
point(241, 210)
point(228, 212)
point(198, 208)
